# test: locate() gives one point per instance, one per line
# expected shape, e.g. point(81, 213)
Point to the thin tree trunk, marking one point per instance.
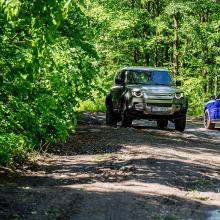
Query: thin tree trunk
point(156, 56)
point(146, 58)
point(175, 46)
point(157, 7)
point(136, 56)
point(216, 85)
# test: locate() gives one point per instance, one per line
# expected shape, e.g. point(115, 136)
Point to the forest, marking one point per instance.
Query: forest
point(57, 56)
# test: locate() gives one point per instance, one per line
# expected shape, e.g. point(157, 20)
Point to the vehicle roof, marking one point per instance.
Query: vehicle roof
point(145, 68)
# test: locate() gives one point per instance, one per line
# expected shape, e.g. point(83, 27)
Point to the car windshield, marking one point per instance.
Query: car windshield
point(155, 77)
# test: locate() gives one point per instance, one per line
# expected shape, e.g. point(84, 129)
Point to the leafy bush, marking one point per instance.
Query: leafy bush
point(47, 67)
point(12, 148)
point(92, 105)
point(195, 92)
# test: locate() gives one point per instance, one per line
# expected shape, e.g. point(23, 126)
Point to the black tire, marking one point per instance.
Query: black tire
point(126, 121)
point(111, 118)
point(180, 124)
point(207, 122)
point(161, 124)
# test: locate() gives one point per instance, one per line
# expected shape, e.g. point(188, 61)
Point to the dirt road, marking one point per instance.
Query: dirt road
point(114, 173)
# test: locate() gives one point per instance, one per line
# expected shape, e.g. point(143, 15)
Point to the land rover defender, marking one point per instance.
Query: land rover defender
point(146, 93)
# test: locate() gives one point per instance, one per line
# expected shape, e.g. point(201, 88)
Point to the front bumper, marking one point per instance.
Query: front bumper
point(141, 115)
point(157, 108)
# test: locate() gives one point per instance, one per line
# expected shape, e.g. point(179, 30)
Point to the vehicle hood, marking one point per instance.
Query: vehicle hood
point(213, 104)
point(155, 89)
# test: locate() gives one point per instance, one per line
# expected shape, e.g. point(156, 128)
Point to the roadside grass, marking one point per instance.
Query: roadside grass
point(92, 105)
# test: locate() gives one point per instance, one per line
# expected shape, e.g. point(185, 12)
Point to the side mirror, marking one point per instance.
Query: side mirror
point(178, 83)
point(118, 81)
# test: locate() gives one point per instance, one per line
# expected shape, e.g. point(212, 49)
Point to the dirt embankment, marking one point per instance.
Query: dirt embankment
point(114, 173)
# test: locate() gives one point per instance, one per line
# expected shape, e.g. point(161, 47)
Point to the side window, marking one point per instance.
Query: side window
point(121, 75)
point(132, 77)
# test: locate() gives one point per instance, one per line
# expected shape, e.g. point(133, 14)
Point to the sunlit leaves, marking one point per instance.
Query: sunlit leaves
point(47, 63)
point(11, 7)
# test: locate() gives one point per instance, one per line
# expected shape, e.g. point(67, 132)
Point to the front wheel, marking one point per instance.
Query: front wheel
point(180, 124)
point(207, 122)
point(111, 119)
point(126, 121)
point(161, 124)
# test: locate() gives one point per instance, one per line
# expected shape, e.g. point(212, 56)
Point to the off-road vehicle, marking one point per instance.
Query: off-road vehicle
point(146, 93)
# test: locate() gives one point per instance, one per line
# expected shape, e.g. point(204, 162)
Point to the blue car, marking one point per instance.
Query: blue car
point(212, 113)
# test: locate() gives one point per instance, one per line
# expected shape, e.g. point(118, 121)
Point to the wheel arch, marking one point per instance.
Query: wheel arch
point(125, 96)
point(124, 99)
point(108, 99)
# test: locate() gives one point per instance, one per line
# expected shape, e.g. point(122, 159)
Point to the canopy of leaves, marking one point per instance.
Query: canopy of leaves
point(47, 64)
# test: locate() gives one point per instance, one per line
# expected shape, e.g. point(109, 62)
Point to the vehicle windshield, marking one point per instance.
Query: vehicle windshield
point(155, 77)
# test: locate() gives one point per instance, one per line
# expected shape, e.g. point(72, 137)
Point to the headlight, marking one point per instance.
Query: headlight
point(179, 95)
point(137, 94)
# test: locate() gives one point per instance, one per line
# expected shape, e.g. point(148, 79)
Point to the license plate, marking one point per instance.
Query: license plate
point(159, 109)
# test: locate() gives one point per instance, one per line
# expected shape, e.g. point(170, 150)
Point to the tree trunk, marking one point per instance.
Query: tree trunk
point(146, 58)
point(216, 85)
point(156, 56)
point(175, 45)
point(136, 56)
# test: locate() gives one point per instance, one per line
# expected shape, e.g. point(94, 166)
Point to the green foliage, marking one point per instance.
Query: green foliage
point(12, 148)
point(60, 55)
point(92, 105)
point(145, 33)
point(195, 93)
point(47, 65)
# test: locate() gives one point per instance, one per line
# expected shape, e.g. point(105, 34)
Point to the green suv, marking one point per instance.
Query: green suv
point(146, 93)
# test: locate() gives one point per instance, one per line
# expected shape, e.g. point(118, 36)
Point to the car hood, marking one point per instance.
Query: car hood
point(155, 89)
point(213, 104)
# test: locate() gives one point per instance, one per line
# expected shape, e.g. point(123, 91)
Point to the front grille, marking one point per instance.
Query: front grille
point(161, 94)
point(160, 104)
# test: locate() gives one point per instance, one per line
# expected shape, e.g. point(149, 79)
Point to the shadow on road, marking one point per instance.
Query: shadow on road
point(173, 173)
point(58, 188)
point(69, 203)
